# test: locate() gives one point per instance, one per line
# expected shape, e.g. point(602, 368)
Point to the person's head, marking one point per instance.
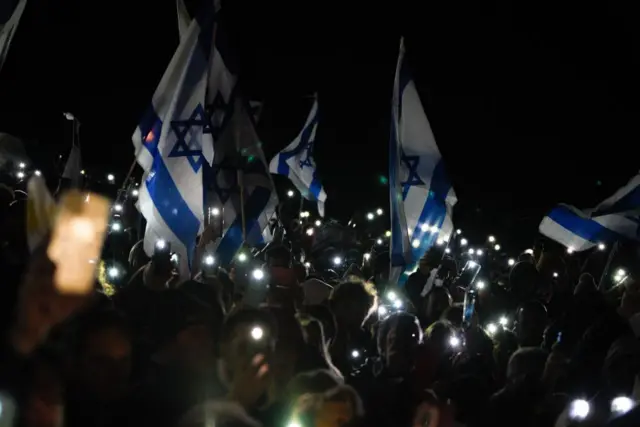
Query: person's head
point(102, 358)
point(398, 338)
point(526, 365)
point(351, 303)
point(336, 407)
point(531, 321)
point(438, 337)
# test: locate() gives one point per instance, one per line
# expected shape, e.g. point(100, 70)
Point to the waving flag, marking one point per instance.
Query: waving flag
point(172, 143)
point(296, 162)
point(421, 194)
point(10, 14)
point(616, 218)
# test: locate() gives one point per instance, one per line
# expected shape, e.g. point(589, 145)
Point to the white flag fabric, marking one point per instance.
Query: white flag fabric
point(296, 162)
point(421, 195)
point(73, 167)
point(10, 14)
point(184, 20)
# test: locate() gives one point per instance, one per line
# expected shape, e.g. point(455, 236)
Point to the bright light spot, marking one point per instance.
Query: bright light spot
point(621, 272)
point(579, 409)
point(37, 173)
point(511, 261)
point(382, 310)
point(425, 227)
point(440, 242)
point(503, 321)
point(135, 192)
point(257, 333)
point(258, 274)
point(379, 241)
point(20, 175)
point(555, 274)
point(391, 296)
point(242, 257)
point(290, 193)
point(173, 258)
point(621, 405)
point(367, 256)
point(116, 226)
point(480, 285)
point(570, 250)
point(379, 211)
point(387, 233)
point(454, 341)
point(161, 244)
point(307, 264)
point(337, 260)
point(209, 260)
point(318, 223)
point(492, 328)
point(82, 172)
point(471, 251)
point(397, 304)
point(22, 165)
point(496, 247)
point(463, 242)
point(354, 225)
point(472, 263)
point(215, 211)
point(492, 239)
point(458, 231)
point(294, 424)
point(355, 354)
point(528, 251)
point(113, 272)
point(309, 231)
point(435, 229)
point(602, 246)
point(447, 251)
point(111, 177)
point(415, 243)
point(479, 252)
point(304, 214)
point(117, 207)
point(370, 216)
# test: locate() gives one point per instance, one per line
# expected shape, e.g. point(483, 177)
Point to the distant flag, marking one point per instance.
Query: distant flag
point(41, 210)
point(616, 218)
point(10, 14)
point(72, 169)
point(421, 194)
point(296, 162)
point(171, 144)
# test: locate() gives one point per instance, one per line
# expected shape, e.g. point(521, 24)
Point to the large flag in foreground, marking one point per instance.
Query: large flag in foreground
point(173, 141)
point(616, 218)
point(10, 14)
point(296, 162)
point(420, 192)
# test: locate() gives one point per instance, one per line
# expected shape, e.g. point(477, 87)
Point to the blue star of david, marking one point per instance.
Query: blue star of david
point(191, 148)
point(308, 150)
point(412, 163)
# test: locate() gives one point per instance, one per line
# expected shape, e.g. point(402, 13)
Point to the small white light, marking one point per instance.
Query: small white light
point(135, 192)
point(379, 211)
point(511, 261)
point(382, 310)
point(307, 264)
point(528, 251)
point(113, 272)
point(304, 214)
point(579, 409)
point(415, 243)
point(492, 239)
point(20, 175)
point(480, 285)
point(294, 424)
point(496, 247)
point(355, 354)
point(492, 328)
point(258, 274)
point(471, 251)
point(22, 165)
point(82, 172)
point(397, 304)
point(621, 272)
point(370, 216)
point(309, 231)
point(173, 258)
point(117, 207)
point(458, 231)
point(318, 223)
point(435, 229)
point(387, 233)
point(242, 257)
point(425, 227)
point(111, 177)
point(379, 241)
point(621, 405)
point(479, 252)
point(447, 251)
point(463, 242)
point(37, 172)
point(161, 244)
point(570, 250)
point(555, 274)
point(440, 242)
point(454, 341)
point(353, 225)
point(367, 256)
point(257, 333)
point(602, 246)
point(337, 260)
point(215, 211)
point(290, 193)
point(504, 321)
point(116, 226)
point(391, 296)
point(209, 260)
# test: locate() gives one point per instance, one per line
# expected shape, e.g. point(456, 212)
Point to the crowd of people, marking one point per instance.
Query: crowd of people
point(309, 331)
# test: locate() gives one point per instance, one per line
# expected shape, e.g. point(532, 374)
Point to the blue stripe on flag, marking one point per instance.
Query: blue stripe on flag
point(583, 227)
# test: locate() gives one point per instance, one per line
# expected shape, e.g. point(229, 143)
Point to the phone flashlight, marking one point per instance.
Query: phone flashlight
point(454, 341)
point(209, 260)
point(397, 304)
point(621, 405)
point(161, 245)
point(355, 354)
point(258, 274)
point(242, 257)
point(492, 328)
point(579, 409)
point(257, 333)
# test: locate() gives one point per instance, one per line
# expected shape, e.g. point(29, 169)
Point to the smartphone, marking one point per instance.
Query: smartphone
point(468, 274)
point(77, 239)
point(559, 338)
point(469, 307)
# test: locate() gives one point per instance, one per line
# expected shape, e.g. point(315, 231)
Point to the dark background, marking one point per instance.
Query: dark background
point(532, 103)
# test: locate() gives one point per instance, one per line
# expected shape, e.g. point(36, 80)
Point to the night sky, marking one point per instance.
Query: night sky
point(531, 103)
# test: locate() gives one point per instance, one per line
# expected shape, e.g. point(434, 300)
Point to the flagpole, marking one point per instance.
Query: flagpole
point(240, 172)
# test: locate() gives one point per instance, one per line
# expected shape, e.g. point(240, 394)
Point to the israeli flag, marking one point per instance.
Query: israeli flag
point(10, 14)
point(420, 192)
point(240, 164)
point(616, 218)
point(172, 142)
point(296, 162)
